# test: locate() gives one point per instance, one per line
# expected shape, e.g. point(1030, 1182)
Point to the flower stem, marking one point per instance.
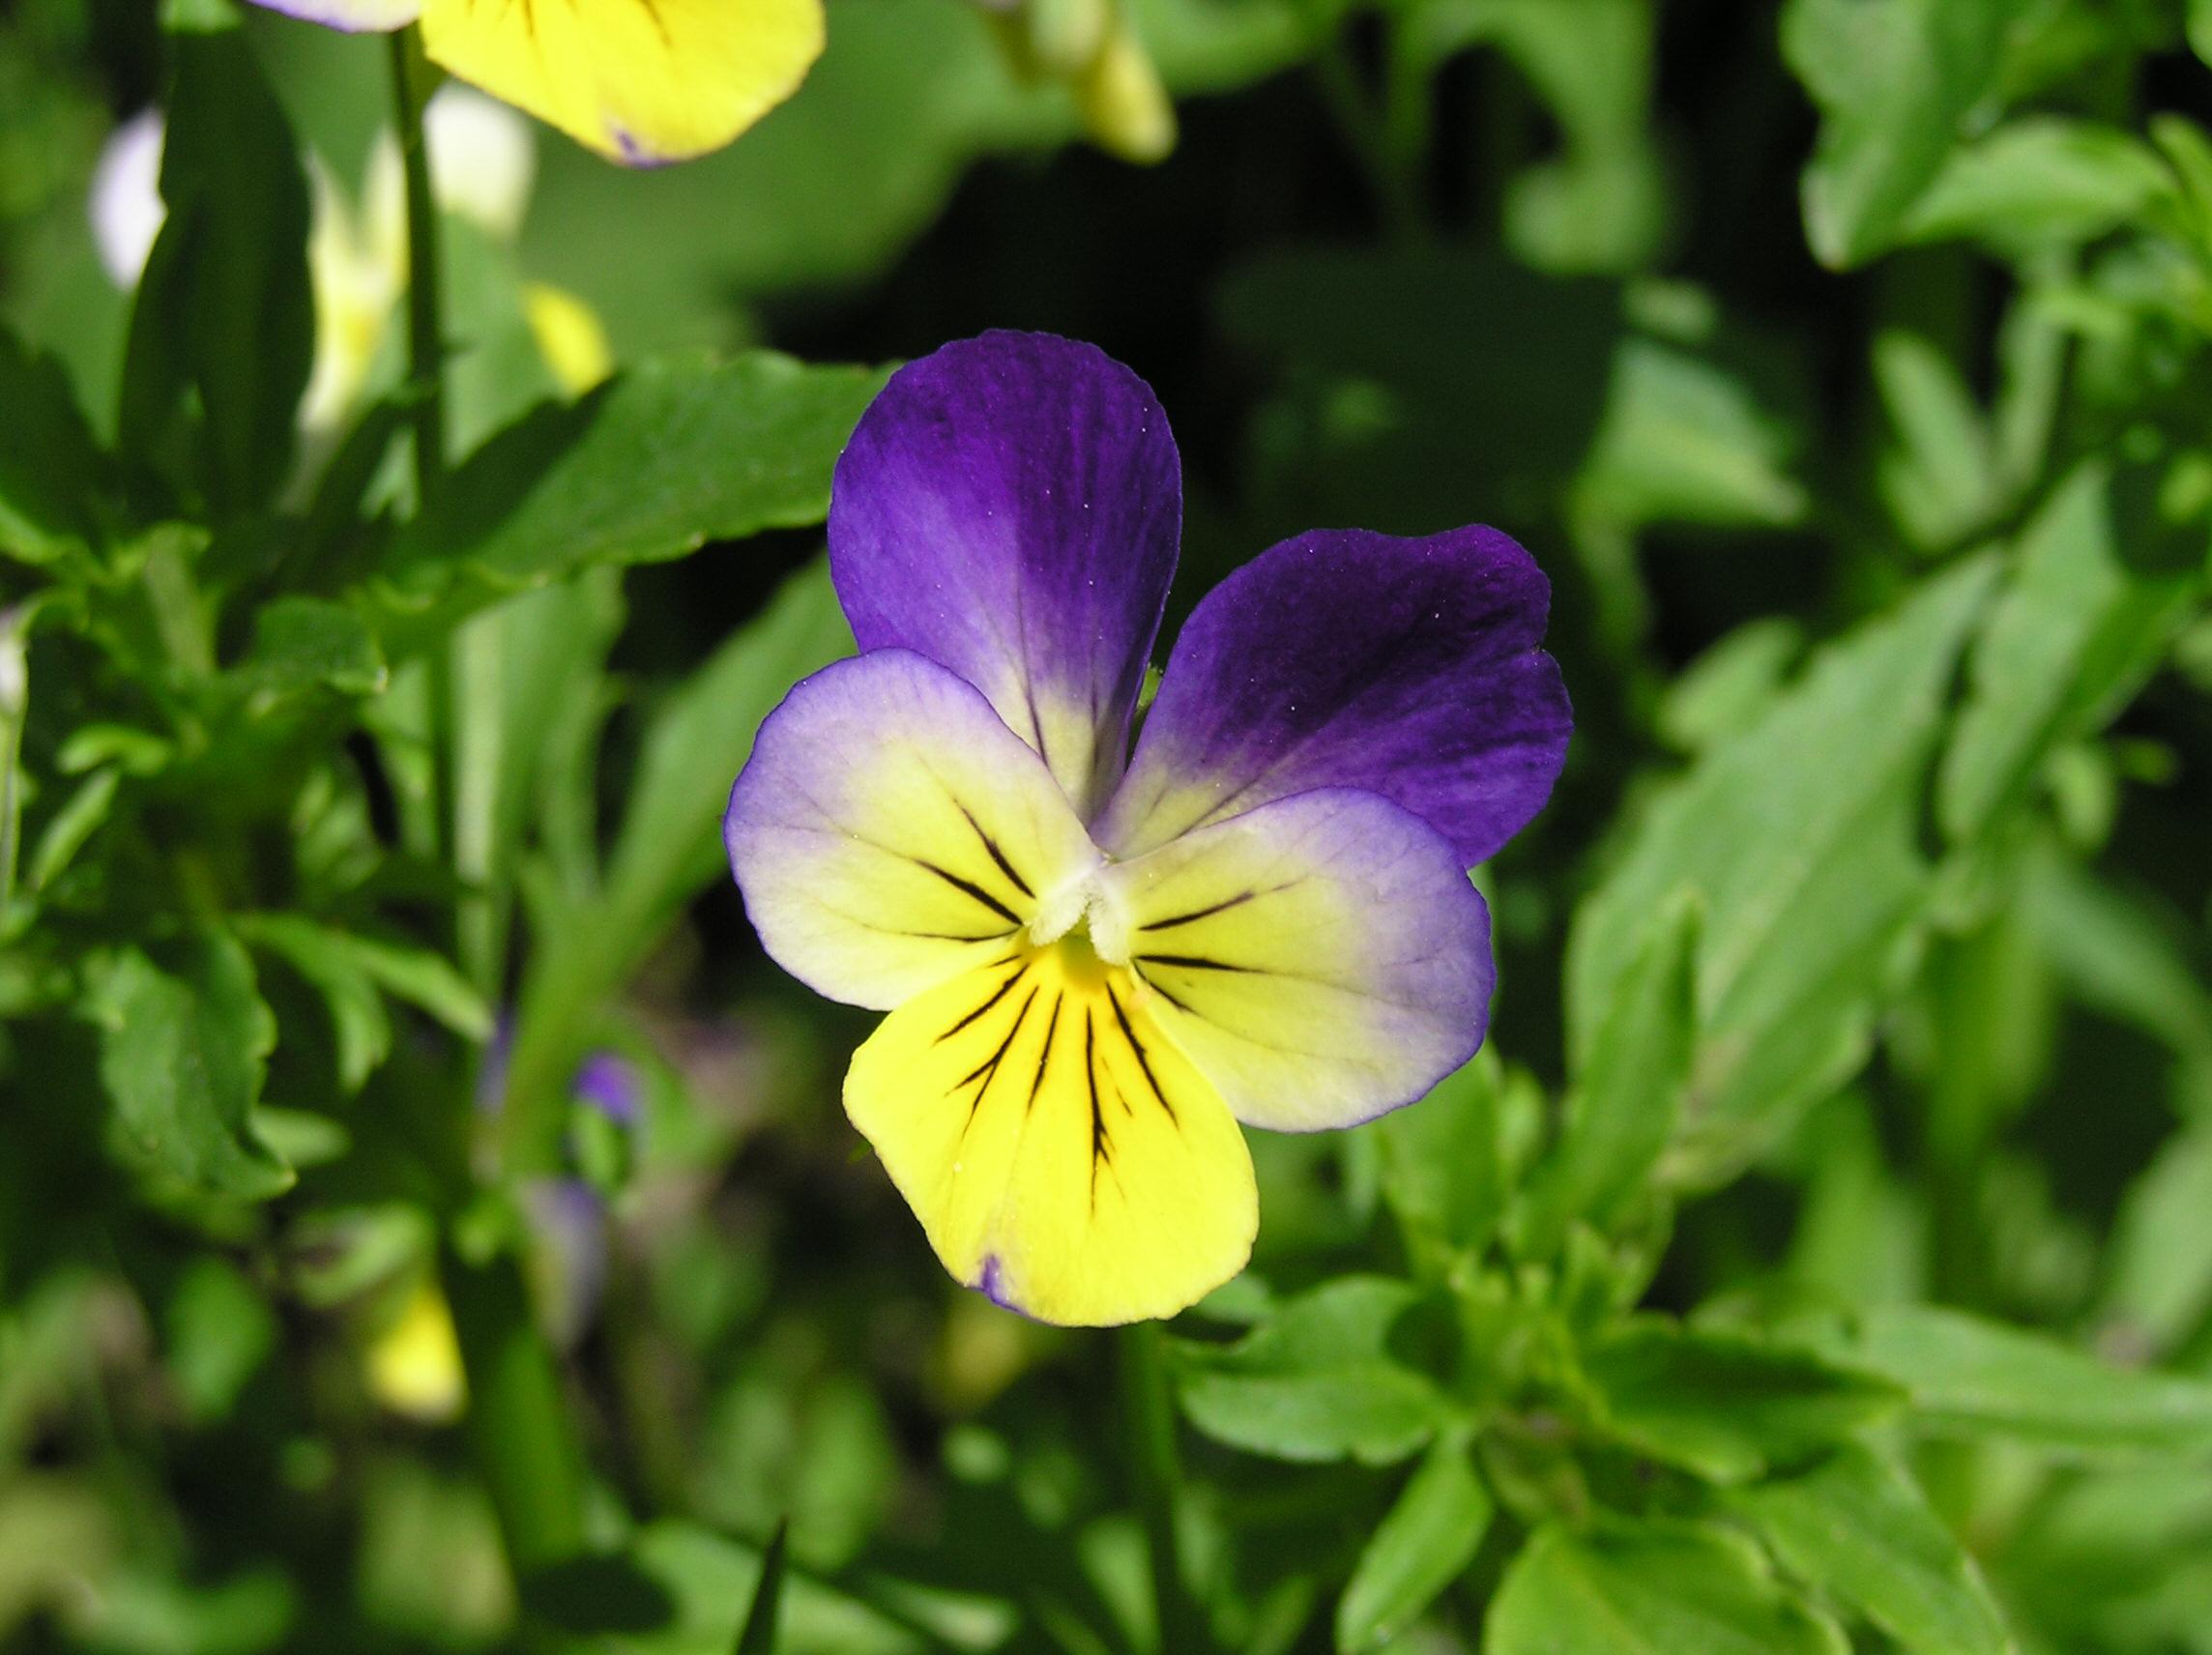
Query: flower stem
point(518, 1419)
point(1147, 1421)
point(425, 345)
point(526, 1443)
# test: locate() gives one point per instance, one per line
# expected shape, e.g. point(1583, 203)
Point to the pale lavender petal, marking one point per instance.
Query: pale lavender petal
point(1322, 959)
point(888, 833)
point(1009, 508)
point(1344, 658)
point(353, 16)
point(125, 205)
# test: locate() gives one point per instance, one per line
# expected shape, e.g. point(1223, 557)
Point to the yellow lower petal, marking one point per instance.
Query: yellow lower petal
point(641, 81)
point(1063, 1156)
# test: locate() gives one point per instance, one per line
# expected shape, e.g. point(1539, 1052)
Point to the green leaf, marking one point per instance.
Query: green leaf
point(1443, 1165)
point(1599, 204)
point(74, 822)
point(1894, 80)
point(1653, 1591)
point(1726, 1405)
point(2118, 953)
point(1798, 835)
point(1425, 1542)
point(1725, 690)
point(1968, 1377)
point(757, 1636)
point(183, 1048)
point(302, 643)
point(1319, 1379)
point(708, 1581)
point(223, 332)
point(2159, 1266)
point(2039, 180)
point(2072, 634)
point(1623, 1104)
point(423, 978)
point(700, 737)
point(1685, 440)
point(1859, 1530)
point(1939, 480)
point(670, 844)
point(359, 1025)
point(497, 374)
point(217, 1332)
point(664, 458)
point(51, 468)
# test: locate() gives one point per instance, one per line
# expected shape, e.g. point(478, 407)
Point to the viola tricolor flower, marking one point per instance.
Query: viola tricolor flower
point(1098, 962)
point(641, 81)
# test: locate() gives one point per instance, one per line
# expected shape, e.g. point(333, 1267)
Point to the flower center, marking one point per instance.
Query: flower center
point(1083, 914)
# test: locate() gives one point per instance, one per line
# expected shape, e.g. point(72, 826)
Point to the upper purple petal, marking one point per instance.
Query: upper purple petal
point(1009, 507)
point(1345, 658)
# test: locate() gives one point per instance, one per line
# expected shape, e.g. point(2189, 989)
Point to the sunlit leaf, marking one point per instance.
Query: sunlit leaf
point(1650, 1590)
point(1858, 1529)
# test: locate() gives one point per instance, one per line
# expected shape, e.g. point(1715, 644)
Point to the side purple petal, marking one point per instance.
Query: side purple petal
point(1344, 658)
point(1009, 508)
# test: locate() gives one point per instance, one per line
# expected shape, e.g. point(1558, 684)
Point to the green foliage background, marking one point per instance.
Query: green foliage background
point(1819, 1258)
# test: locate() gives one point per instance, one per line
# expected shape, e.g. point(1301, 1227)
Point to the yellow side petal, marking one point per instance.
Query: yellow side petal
point(641, 81)
point(1063, 1156)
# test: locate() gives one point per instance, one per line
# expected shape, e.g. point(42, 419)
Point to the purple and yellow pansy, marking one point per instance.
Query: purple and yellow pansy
point(1099, 962)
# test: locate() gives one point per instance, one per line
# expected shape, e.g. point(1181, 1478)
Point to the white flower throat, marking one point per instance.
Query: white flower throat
point(1084, 906)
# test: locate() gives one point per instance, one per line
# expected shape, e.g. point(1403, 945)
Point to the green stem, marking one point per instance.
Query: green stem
point(1147, 1421)
point(475, 712)
point(425, 344)
point(1366, 132)
point(518, 1420)
point(526, 1443)
point(466, 680)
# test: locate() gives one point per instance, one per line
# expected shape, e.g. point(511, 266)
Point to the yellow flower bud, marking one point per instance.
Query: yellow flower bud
point(1123, 105)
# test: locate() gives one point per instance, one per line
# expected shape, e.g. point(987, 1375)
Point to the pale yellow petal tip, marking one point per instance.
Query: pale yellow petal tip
point(569, 337)
point(1079, 1298)
point(415, 1364)
point(1124, 105)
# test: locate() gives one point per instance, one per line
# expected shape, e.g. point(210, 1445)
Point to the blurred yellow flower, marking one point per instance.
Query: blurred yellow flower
point(641, 81)
point(569, 337)
point(483, 165)
point(415, 1364)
